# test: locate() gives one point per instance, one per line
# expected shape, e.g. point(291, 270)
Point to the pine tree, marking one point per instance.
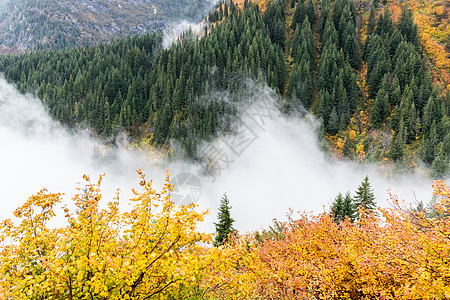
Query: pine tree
point(364, 197)
point(329, 35)
point(343, 208)
point(351, 47)
point(337, 208)
point(310, 11)
point(349, 209)
point(333, 124)
point(380, 109)
point(408, 27)
point(372, 22)
point(299, 15)
point(396, 151)
point(225, 225)
point(439, 168)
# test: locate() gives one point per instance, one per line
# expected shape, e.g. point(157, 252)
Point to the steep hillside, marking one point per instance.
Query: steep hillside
point(56, 24)
point(433, 23)
point(362, 70)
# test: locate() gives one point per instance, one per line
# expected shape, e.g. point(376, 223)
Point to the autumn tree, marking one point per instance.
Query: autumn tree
point(148, 252)
point(402, 256)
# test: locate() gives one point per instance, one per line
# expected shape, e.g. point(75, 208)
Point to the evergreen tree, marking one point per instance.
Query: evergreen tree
point(372, 21)
point(439, 168)
point(429, 144)
point(225, 226)
point(348, 208)
point(364, 197)
point(408, 27)
point(334, 122)
point(396, 151)
point(329, 35)
point(380, 109)
point(343, 208)
point(310, 12)
point(351, 47)
point(337, 208)
point(299, 14)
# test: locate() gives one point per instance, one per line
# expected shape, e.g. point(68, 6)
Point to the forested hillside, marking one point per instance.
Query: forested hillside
point(364, 75)
point(57, 24)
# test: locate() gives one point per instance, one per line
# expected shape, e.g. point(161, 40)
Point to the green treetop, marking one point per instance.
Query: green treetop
point(225, 225)
point(364, 197)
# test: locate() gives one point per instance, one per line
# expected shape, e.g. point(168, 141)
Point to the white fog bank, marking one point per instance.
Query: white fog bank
point(281, 168)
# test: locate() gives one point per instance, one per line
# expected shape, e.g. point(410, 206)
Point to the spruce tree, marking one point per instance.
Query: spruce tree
point(310, 12)
point(337, 208)
point(439, 168)
point(333, 124)
point(396, 151)
point(364, 197)
point(372, 21)
point(225, 225)
point(348, 207)
point(380, 109)
point(343, 208)
point(408, 27)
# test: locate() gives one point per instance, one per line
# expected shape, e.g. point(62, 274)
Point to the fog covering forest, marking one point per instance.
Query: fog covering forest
point(279, 105)
point(393, 113)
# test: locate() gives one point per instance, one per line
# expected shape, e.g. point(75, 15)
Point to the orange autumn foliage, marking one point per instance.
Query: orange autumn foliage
point(433, 21)
point(155, 252)
point(402, 255)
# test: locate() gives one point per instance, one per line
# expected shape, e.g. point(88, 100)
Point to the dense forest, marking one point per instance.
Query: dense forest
point(361, 69)
point(376, 99)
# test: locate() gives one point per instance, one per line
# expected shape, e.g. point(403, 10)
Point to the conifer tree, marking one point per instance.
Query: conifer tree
point(349, 208)
point(333, 124)
point(225, 225)
point(439, 168)
point(343, 208)
point(310, 11)
point(299, 14)
point(372, 21)
point(396, 151)
point(337, 208)
point(408, 27)
point(364, 197)
point(380, 109)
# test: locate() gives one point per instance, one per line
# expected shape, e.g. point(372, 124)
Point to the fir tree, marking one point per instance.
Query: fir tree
point(343, 208)
point(364, 197)
point(333, 125)
point(408, 27)
point(337, 208)
point(439, 168)
point(380, 109)
point(349, 208)
point(372, 21)
point(396, 151)
point(225, 225)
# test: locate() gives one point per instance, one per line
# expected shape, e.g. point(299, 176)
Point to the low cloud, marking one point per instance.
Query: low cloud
point(174, 30)
point(273, 163)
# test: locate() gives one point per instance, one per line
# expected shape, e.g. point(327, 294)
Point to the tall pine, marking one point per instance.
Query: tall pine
point(364, 197)
point(225, 225)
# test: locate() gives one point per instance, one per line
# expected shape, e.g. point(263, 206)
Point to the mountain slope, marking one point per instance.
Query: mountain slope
point(56, 24)
point(366, 78)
